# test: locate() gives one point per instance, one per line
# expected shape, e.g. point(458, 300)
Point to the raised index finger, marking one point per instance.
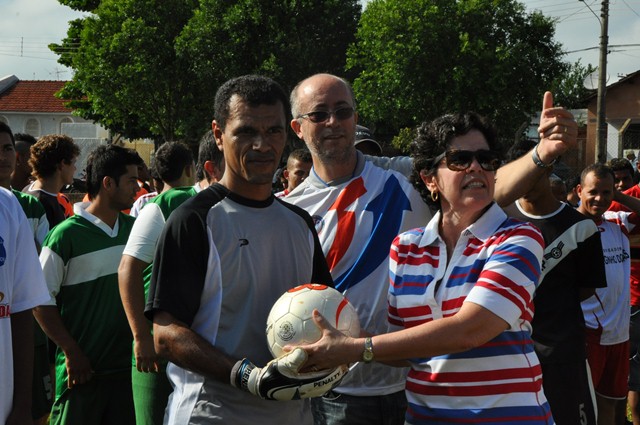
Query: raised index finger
point(547, 100)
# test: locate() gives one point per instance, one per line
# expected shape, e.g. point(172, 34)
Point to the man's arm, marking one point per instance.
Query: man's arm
point(131, 287)
point(277, 380)
point(79, 368)
point(628, 201)
point(558, 132)
point(22, 347)
point(175, 341)
point(401, 164)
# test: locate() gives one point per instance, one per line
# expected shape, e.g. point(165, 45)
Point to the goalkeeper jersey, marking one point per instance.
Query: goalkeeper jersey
point(221, 263)
point(80, 260)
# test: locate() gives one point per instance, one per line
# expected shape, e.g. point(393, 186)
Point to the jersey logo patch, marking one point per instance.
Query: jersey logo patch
point(556, 252)
point(243, 242)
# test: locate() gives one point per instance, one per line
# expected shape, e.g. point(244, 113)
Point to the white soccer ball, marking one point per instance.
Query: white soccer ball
point(290, 321)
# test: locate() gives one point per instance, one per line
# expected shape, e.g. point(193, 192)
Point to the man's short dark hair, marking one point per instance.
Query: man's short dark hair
point(49, 151)
point(621, 164)
point(302, 155)
point(108, 161)
point(4, 128)
point(171, 159)
point(254, 89)
point(24, 142)
point(599, 170)
point(208, 151)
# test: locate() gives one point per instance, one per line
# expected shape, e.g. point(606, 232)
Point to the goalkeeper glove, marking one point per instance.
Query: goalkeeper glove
point(280, 380)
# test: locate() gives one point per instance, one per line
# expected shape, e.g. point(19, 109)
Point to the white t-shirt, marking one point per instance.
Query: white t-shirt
point(145, 233)
point(609, 307)
point(22, 285)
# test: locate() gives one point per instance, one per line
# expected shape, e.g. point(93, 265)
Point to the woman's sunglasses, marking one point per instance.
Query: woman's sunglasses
point(460, 160)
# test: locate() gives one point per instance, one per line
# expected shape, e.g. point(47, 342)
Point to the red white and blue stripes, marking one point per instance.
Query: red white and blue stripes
point(495, 264)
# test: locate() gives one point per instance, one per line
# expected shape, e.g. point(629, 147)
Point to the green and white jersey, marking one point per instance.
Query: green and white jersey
point(172, 199)
point(80, 259)
point(36, 215)
point(39, 225)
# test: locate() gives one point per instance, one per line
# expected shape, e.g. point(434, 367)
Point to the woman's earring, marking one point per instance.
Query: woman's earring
point(434, 196)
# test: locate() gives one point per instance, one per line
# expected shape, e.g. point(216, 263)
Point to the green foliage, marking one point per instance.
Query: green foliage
point(403, 139)
point(419, 59)
point(568, 89)
point(151, 67)
point(286, 40)
point(83, 5)
point(127, 73)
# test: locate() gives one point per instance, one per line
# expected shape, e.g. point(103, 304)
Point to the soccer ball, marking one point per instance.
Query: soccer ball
point(290, 321)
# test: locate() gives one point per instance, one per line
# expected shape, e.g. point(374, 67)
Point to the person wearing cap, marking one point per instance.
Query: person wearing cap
point(365, 142)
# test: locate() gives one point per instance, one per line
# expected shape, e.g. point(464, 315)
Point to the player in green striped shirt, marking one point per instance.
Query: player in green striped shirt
point(85, 317)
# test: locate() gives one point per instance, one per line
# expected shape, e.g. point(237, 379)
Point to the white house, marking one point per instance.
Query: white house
point(31, 107)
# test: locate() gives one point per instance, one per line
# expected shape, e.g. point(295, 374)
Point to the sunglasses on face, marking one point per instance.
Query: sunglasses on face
point(317, 117)
point(460, 160)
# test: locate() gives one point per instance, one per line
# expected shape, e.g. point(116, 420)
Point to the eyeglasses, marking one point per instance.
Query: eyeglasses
point(317, 117)
point(460, 160)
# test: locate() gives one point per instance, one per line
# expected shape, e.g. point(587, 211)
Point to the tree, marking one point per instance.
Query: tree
point(419, 59)
point(151, 67)
point(568, 89)
point(127, 72)
point(285, 40)
point(83, 5)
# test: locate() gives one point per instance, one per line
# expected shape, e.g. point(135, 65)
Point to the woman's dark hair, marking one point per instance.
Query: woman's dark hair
point(433, 138)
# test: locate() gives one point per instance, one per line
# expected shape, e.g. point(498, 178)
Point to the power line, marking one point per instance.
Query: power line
point(630, 8)
point(610, 46)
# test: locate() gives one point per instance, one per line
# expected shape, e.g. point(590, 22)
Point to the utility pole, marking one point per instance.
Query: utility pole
point(601, 120)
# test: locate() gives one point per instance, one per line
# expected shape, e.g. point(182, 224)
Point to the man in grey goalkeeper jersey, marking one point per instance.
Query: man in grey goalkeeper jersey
point(217, 273)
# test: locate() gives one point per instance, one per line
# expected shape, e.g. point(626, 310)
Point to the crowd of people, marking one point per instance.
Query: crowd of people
point(488, 289)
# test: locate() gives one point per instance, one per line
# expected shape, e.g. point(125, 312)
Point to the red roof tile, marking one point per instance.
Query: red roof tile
point(33, 96)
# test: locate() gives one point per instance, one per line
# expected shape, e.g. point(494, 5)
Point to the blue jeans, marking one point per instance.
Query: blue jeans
point(342, 409)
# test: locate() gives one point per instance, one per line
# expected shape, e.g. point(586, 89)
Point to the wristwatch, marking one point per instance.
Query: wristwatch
point(367, 354)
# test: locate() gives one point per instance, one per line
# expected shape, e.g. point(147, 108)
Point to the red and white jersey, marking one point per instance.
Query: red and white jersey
point(608, 309)
point(495, 264)
point(356, 220)
point(634, 242)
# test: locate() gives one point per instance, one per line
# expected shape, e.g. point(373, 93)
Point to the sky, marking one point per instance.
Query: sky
point(28, 26)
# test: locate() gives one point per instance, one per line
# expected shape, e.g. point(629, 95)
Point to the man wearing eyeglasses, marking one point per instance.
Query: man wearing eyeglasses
point(358, 209)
